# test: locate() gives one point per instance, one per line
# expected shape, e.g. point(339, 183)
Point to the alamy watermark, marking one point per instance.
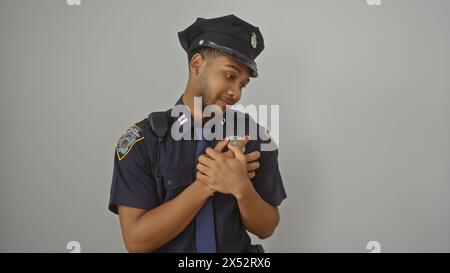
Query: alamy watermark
point(73, 2)
point(232, 120)
point(373, 2)
point(73, 246)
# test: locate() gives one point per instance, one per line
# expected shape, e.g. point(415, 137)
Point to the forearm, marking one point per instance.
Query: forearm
point(163, 223)
point(258, 216)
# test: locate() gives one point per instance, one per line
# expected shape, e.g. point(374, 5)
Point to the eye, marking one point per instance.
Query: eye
point(244, 85)
point(229, 76)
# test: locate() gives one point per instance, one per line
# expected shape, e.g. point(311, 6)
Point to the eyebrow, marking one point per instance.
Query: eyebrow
point(238, 70)
point(235, 67)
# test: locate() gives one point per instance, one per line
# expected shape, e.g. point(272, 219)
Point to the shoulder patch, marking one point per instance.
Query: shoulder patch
point(127, 141)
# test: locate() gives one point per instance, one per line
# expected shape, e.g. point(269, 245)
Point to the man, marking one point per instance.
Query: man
point(212, 196)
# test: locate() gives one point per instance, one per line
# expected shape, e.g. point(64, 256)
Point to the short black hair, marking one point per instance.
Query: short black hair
point(205, 52)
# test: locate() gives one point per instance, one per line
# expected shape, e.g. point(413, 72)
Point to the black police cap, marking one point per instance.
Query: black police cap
point(228, 34)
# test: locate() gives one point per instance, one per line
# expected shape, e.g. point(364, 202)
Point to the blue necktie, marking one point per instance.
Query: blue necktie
point(204, 221)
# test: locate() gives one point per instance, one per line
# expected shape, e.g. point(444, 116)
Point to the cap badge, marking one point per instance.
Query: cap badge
point(253, 40)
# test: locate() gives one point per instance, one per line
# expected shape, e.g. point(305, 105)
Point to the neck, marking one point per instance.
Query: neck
point(196, 112)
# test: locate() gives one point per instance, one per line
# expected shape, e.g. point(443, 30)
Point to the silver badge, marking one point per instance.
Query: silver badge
point(253, 40)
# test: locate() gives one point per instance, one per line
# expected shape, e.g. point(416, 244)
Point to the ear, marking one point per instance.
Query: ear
point(197, 64)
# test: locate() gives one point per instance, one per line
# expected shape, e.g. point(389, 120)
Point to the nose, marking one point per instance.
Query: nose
point(235, 93)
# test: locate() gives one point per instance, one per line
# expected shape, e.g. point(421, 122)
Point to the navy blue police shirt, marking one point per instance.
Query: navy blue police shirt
point(133, 183)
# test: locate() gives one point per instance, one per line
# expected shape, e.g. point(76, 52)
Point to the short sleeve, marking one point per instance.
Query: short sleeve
point(132, 184)
point(267, 181)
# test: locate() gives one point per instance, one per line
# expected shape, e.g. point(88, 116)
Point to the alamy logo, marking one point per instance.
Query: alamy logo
point(374, 247)
point(373, 2)
point(74, 247)
point(73, 2)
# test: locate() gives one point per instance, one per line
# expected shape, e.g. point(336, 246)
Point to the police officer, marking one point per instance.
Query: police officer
point(213, 191)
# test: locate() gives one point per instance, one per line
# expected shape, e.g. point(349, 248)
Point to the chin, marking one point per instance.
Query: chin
point(221, 104)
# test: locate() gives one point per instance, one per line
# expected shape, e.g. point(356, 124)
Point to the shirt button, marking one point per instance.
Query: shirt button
point(169, 182)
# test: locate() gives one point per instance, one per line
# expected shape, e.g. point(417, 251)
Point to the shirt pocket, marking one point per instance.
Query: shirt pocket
point(175, 180)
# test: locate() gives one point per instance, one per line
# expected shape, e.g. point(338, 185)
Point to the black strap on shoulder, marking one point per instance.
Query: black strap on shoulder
point(159, 123)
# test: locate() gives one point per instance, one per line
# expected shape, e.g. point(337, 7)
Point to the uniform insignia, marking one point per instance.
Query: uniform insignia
point(253, 40)
point(126, 142)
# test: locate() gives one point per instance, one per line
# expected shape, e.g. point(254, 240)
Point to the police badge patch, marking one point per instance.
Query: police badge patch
point(126, 142)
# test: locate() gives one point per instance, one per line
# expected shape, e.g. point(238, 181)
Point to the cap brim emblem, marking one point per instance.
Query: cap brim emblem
point(253, 40)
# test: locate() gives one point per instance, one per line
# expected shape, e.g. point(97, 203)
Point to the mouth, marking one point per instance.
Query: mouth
point(227, 101)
